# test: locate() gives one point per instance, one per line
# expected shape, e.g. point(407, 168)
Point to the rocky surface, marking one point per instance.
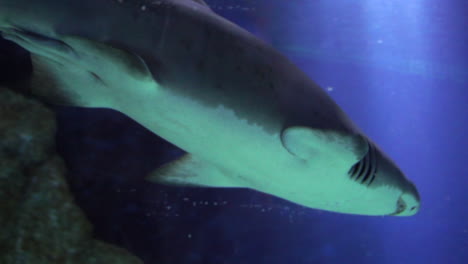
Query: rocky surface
point(39, 220)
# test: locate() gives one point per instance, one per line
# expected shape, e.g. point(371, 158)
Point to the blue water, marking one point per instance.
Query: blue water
point(398, 68)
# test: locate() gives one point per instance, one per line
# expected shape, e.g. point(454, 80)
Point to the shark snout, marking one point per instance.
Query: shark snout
point(408, 203)
point(404, 199)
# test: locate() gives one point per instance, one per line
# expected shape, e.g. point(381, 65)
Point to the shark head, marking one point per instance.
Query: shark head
point(382, 176)
point(354, 174)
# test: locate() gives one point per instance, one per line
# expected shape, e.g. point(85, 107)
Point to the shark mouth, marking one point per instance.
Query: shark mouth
point(364, 171)
point(400, 207)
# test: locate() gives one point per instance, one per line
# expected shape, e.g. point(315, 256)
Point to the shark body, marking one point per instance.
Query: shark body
point(246, 115)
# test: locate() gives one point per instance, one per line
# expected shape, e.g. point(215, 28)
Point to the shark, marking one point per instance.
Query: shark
point(246, 116)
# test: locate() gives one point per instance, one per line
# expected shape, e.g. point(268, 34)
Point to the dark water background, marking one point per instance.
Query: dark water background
point(398, 68)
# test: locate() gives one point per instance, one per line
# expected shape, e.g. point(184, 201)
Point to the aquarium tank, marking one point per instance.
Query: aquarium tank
point(233, 131)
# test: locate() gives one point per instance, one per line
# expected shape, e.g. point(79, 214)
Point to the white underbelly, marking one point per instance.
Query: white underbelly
point(216, 134)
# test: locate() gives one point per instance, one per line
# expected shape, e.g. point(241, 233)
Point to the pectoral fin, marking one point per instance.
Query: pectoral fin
point(308, 144)
point(191, 171)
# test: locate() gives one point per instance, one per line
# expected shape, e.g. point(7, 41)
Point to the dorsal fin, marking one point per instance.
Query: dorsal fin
point(203, 3)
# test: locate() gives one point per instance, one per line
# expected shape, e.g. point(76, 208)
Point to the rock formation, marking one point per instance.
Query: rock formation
point(40, 222)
